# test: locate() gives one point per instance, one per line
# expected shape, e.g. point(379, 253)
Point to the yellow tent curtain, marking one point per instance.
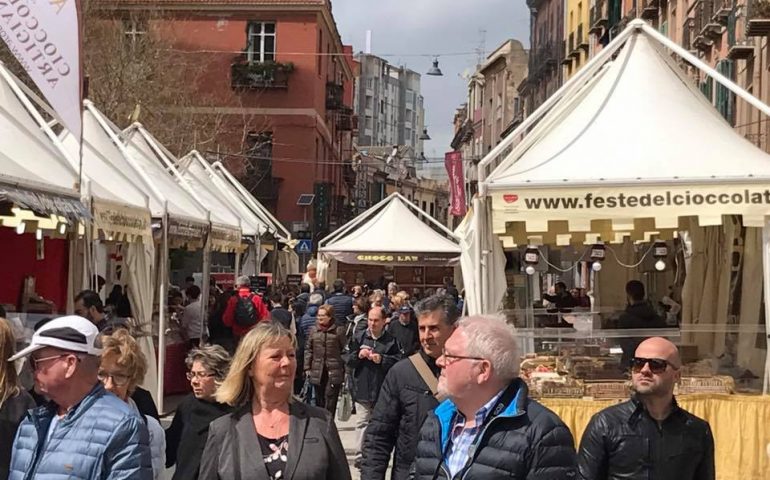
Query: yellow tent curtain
point(739, 424)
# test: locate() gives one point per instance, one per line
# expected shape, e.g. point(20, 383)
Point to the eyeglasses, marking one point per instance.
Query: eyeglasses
point(118, 379)
point(457, 357)
point(657, 365)
point(199, 375)
point(35, 362)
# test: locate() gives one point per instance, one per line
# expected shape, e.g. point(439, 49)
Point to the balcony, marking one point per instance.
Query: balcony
point(598, 17)
point(582, 40)
point(758, 18)
point(741, 50)
point(565, 58)
point(687, 35)
point(334, 93)
point(705, 25)
point(650, 9)
point(346, 120)
point(573, 50)
point(260, 75)
point(722, 11)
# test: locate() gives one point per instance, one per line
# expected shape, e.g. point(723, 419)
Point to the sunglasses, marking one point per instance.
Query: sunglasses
point(657, 365)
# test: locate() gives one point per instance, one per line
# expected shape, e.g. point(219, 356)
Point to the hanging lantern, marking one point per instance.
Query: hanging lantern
point(531, 258)
point(598, 254)
point(660, 253)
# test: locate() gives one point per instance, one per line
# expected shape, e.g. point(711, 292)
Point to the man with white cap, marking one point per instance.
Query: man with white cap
point(84, 431)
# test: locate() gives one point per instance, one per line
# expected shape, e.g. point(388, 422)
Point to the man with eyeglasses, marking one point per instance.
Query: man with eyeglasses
point(649, 436)
point(83, 431)
point(489, 428)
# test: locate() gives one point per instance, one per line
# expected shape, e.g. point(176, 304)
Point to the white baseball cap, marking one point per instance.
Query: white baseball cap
point(72, 333)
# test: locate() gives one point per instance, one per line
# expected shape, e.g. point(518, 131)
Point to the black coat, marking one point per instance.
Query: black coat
point(367, 374)
point(343, 307)
point(525, 441)
point(637, 316)
point(186, 436)
point(623, 442)
point(315, 451)
point(144, 403)
point(404, 403)
point(407, 336)
point(11, 414)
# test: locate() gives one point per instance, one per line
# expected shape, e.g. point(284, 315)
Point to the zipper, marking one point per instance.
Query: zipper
point(473, 450)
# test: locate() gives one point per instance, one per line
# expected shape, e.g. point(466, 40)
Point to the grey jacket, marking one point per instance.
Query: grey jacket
point(315, 450)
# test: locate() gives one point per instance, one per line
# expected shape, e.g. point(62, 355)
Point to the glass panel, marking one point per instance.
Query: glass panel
point(269, 48)
point(269, 27)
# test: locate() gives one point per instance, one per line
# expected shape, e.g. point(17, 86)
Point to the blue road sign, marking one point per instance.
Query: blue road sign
point(304, 246)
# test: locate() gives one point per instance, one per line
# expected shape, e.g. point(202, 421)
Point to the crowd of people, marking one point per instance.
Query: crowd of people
point(437, 396)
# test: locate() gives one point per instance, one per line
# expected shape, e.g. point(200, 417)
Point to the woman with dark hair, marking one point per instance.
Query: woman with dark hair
point(296, 441)
point(14, 401)
point(323, 359)
point(185, 438)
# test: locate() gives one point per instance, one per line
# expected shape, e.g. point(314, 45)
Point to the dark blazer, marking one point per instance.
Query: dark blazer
point(315, 450)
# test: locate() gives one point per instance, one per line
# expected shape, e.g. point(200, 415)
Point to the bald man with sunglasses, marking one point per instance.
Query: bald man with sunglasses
point(649, 436)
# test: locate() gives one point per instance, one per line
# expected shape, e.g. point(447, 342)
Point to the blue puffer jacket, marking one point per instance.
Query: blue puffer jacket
point(100, 438)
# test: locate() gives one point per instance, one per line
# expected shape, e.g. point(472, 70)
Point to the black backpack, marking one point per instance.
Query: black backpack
point(246, 312)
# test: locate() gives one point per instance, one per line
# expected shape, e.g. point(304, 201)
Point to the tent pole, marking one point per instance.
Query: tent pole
point(205, 285)
point(477, 253)
point(237, 268)
point(162, 300)
point(766, 291)
point(257, 252)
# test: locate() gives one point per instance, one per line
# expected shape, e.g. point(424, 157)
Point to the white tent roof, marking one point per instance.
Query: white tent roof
point(28, 157)
point(194, 169)
point(142, 143)
point(641, 121)
point(234, 188)
point(633, 141)
point(395, 226)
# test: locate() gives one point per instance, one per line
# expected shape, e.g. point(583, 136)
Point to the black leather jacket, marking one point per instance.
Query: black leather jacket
point(624, 442)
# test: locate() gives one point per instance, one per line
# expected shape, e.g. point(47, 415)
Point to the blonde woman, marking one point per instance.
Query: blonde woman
point(270, 436)
point(14, 401)
point(122, 368)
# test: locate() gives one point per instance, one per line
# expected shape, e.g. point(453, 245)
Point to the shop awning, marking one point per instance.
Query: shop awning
point(34, 174)
point(393, 232)
point(633, 151)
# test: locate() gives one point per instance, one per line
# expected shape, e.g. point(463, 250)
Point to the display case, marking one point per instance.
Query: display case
point(579, 359)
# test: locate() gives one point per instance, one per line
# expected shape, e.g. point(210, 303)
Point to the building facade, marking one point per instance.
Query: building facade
point(576, 35)
point(389, 104)
point(284, 83)
point(495, 106)
point(547, 53)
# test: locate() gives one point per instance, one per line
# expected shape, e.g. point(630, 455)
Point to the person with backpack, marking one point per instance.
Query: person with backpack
point(244, 310)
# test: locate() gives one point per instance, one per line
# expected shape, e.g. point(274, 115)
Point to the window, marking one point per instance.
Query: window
point(261, 46)
point(135, 31)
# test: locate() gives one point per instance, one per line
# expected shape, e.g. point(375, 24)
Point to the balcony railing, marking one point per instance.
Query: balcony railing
point(346, 120)
point(598, 17)
point(572, 47)
point(705, 24)
point(259, 75)
point(334, 93)
point(582, 40)
point(650, 9)
point(758, 18)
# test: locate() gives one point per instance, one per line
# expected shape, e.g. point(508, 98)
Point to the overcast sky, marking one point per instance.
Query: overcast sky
point(408, 28)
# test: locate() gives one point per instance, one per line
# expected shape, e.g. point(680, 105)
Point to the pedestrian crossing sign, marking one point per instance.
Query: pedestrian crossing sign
point(304, 246)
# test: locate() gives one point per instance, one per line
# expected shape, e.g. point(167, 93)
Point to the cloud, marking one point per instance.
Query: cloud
point(409, 32)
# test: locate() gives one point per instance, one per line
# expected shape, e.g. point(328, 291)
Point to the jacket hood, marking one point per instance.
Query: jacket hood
point(312, 310)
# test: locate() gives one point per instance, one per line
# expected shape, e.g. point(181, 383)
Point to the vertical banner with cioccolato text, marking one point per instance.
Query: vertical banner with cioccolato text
point(454, 167)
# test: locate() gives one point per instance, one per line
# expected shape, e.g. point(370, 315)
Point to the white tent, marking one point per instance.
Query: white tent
point(393, 232)
point(34, 175)
point(627, 148)
point(236, 190)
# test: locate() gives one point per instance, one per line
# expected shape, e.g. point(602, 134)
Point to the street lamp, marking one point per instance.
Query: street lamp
point(434, 70)
point(424, 135)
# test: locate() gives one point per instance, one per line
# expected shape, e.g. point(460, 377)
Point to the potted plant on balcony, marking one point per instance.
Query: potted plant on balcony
point(259, 74)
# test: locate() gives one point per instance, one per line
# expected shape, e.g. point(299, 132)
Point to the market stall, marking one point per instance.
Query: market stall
point(629, 172)
point(395, 237)
point(39, 199)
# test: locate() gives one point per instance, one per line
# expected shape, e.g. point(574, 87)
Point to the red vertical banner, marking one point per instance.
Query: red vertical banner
point(454, 167)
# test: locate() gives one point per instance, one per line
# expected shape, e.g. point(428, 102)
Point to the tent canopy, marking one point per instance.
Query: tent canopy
point(120, 203)
point(34, 174)
point(393, 232)
point(235, 187)
point(632, 151)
